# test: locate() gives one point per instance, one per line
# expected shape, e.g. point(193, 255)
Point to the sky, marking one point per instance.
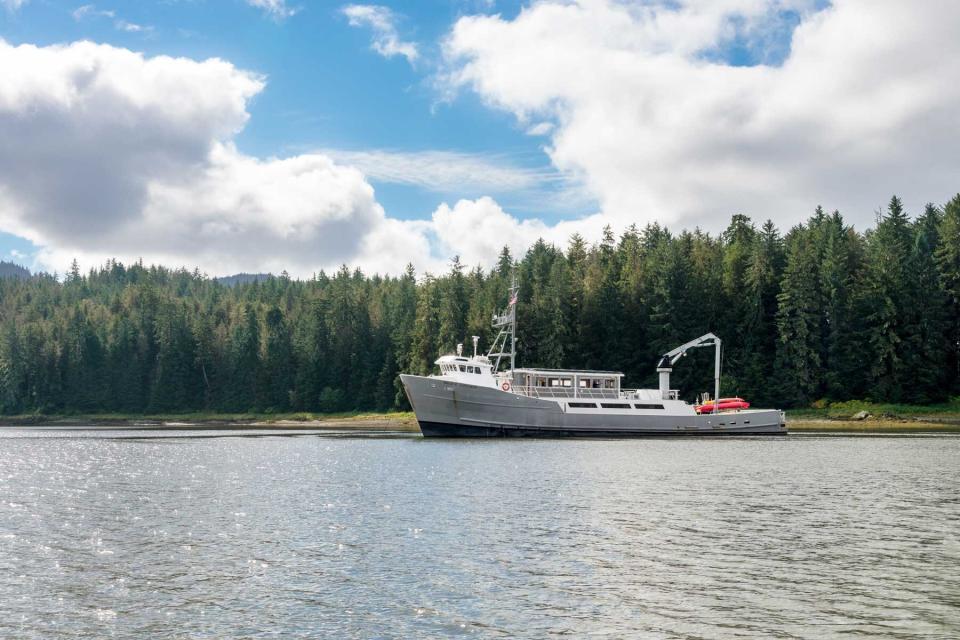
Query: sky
point(271, 135)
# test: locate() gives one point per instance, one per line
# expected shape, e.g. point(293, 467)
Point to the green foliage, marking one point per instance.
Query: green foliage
point(822, 313)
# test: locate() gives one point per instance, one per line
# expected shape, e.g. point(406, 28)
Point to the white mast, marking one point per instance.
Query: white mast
point(507, 323)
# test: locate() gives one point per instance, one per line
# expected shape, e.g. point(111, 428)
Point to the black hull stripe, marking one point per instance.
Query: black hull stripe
point(445, 430)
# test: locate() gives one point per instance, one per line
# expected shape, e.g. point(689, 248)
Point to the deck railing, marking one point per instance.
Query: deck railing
point(587, 394)
point(565, 392)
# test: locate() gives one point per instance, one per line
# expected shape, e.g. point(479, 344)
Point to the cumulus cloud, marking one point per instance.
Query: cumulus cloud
point(382, 22)
point(477, 230)
point(108, 153)
point(857, 105)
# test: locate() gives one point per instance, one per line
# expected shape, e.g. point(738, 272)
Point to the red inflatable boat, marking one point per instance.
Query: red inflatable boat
point(725, 403)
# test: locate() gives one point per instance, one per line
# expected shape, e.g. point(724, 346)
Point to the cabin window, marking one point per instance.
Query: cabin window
point(476, 370)
point(613, 405)
point(648, 406)
point(463, 368)
point(608, 384)
point(554, 382)
point(582, 405)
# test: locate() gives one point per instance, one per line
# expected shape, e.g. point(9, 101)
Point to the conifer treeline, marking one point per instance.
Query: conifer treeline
point(822, 312)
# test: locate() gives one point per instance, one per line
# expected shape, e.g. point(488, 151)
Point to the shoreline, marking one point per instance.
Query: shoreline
point(826, 425)
point(360, 422)
point(406, 422)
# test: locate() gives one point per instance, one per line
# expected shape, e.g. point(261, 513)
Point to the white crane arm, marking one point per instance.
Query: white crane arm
point(670, 357)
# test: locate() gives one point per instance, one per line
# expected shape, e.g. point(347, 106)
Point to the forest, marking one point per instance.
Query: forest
point(822, 311)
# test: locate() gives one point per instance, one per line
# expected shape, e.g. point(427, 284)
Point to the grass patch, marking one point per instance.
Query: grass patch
point(878, 411)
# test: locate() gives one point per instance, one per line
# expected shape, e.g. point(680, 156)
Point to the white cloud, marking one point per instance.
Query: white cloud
point(382, 22)
point(660, 130)
point(90, 11)
point(131, 27)
point(444, 171)
point(13, 5)
point(276, 9)
point(540, 129)
point(109, 153)
point(477, 230)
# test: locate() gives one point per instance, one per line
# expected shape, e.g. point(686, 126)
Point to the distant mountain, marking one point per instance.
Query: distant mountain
point(243, 278)
point(11, 270)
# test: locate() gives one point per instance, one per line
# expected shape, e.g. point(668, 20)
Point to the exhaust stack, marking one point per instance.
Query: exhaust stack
point(664, 368)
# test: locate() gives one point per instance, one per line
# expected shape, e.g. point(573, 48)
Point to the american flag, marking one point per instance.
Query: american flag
point(513, 298)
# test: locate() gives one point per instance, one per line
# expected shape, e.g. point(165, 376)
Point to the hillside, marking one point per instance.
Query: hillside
point(11, 270)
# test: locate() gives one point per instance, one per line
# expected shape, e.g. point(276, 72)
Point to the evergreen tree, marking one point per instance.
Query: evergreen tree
point(761, 287)
point(798, 322)
point(886, 302)
point(839, 271)
point(277, 371)
point(947, 255)
point(244, 359)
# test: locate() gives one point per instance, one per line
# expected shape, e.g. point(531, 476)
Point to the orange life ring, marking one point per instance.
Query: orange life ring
point(505, 386)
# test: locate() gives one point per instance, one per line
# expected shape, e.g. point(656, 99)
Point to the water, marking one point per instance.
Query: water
point(165, 534)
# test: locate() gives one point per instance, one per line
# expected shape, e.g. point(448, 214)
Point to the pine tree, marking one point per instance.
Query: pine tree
point(798, 322)
point(277, 358)
point(761, 287)
point(423, 344)
point(947, 257)
point(886, 304)
point(453, 307)
point(244, 357)
point(839, 270)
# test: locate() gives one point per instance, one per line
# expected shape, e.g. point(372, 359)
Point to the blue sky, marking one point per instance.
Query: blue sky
point(381, 134)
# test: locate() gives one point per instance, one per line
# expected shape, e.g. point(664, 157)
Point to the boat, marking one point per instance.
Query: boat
point(472, 397)
point(708, 406)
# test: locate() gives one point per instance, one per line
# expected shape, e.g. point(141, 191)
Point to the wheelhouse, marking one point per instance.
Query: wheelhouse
point(563, 383)
point(477, 370)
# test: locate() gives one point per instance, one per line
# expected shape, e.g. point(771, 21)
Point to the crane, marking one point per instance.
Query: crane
point(665, 366)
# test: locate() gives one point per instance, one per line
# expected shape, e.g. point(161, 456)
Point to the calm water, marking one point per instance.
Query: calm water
point(132, 534)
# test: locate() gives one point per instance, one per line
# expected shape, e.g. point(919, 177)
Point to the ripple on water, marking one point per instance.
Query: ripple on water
point(311, 536)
